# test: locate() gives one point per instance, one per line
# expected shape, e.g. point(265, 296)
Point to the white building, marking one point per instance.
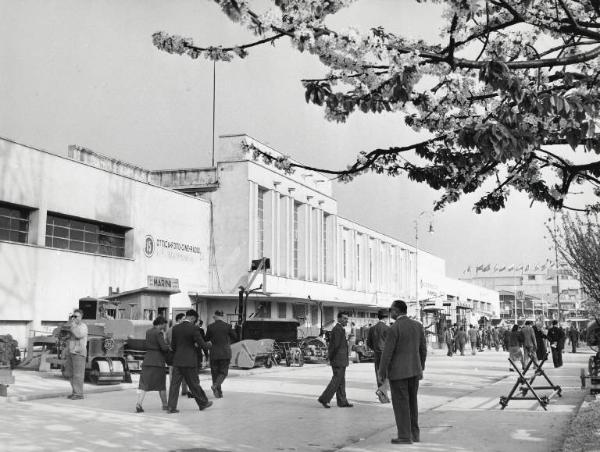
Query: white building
point(70, 230)
point(203, 242)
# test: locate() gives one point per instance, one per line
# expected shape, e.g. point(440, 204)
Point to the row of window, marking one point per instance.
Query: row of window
point(64, 232)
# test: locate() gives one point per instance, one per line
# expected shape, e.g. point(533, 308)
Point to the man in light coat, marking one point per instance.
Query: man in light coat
point(76, 354)
point(403, 362)
point(529, 341)
point(376, 341)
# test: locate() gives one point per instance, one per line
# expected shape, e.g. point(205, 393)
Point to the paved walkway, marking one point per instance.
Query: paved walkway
point(276, 410)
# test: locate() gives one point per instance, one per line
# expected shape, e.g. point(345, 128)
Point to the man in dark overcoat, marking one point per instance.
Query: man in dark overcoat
point(221, 335)
point(185, 338)
point(403, 362)
point(337, 354)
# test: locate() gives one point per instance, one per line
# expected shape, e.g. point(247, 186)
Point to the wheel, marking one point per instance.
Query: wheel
point(582, 376)
point(288, 361)
point(94, 373)
point(301, 360)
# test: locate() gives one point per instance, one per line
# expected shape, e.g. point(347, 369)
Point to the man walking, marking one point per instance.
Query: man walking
point(76, 353)
point(376, 341)
point(337, 354)
point(473, 339)
point(556, 337)
point(221, 335)
point(529, 341)
point(185, 361)
point(574, 337)
point(403, 362)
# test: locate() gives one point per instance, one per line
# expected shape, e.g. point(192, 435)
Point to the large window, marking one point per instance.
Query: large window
point(260, 222)
point(14, 223)
point(296, 238)
point(81, 235)
point(324, 245)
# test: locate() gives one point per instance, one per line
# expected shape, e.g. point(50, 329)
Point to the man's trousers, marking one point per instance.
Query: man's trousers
point(406, 409)
point(219, 368)
point(190, 375)
point(336, 386)
point(75, 371)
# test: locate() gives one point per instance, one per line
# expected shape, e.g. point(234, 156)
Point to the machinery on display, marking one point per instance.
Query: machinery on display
point(115, 347)
point(593, 340)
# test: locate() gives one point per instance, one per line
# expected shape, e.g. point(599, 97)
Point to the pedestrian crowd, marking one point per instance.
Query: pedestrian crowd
point(530, 339)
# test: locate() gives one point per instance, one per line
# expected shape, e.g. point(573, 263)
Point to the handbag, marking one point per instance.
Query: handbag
point(169, 355)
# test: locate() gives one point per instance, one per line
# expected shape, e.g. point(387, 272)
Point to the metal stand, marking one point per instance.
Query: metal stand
point(524, 385)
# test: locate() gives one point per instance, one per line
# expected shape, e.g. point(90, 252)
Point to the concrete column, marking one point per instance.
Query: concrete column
point(252, 208)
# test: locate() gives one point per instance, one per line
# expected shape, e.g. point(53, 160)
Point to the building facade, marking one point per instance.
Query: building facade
point(200, 229)
point(69, 230)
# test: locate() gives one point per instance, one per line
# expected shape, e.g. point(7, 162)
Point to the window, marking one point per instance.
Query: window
point(14, 223)
point(327, 314)
point(325, 256)
point(531, 277)
point(281, 310)
point(263, 309)
point(260, 223)
point(296, 238)
point(370, 265)
point(554, 289)
point(358, 262)
point(344, 257)
point(82, 235)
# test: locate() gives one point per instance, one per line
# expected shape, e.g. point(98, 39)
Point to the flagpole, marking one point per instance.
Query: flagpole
point(213, 115)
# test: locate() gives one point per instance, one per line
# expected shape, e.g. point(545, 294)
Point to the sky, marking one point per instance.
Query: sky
point(85, 72)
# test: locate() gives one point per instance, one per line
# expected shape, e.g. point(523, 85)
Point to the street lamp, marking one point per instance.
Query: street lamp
point(417, 304)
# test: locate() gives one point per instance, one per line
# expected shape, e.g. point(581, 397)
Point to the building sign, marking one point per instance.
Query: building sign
point(172, 249)
point(158, 282)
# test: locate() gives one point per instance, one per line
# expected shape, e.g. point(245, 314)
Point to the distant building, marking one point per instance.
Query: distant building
point(532, 291)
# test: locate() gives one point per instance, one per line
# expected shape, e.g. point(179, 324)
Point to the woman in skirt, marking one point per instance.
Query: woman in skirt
point(153, 376)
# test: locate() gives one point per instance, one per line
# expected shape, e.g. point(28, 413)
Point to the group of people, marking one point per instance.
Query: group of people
point(400, 354)
point(457, 338)
point(182, 348)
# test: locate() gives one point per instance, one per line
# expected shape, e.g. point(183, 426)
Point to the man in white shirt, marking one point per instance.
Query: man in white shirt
point(75, 354)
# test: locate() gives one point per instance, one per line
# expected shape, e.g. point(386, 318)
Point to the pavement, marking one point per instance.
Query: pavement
point(276, 410)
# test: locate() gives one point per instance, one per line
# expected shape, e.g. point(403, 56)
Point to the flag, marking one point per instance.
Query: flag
point(479, 267)
point(487, 267)
point(502, 268)
point(511, 268)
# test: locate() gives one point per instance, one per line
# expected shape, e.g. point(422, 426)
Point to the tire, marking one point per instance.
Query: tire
point(94, 372)
point(301, 360)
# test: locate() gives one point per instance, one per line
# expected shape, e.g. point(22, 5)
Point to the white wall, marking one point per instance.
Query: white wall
point(42, 284)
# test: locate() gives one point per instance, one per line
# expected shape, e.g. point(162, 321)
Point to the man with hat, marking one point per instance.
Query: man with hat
point(376, 341)
point(185, 338)
point(221, 335)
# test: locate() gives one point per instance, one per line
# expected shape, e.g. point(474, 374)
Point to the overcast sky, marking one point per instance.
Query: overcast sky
point(85, 72)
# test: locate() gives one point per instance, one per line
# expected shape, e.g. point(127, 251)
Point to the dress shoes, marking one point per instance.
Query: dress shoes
point(215, 391)
point(203, 407)
point(75, 397)
point(322, 402)
point(401, 441)
point(416, 438)
point(172, 410)
point(345, 405)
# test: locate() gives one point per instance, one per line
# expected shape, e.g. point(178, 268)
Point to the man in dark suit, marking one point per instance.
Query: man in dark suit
point(221, 335)
point(185, 337)
point(556, 336)
point(403, 362)
point(337, 354)
point(376, 341)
